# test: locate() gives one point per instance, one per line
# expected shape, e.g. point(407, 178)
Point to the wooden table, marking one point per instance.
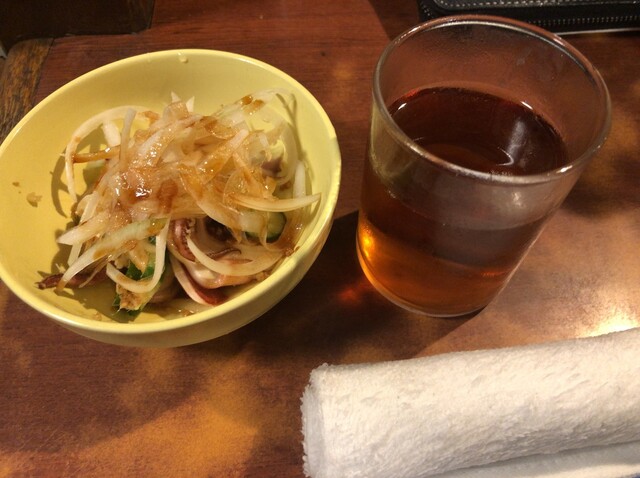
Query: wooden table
point(230, 407)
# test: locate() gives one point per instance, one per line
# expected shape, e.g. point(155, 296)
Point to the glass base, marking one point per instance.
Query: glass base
point(393, 298)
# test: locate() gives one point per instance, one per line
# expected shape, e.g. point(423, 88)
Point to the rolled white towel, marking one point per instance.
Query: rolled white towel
point(420, 417)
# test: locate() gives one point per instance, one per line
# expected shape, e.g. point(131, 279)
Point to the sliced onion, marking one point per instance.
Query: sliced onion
point(299, 181)
point(288, 144)
point(85, 230)
point(219, 160)
point(107, 153)
point(190, 104)
point(151, 150)
point(237, 140)
point(208, 279)
point(119, 241)
point(125, 136)
point(138, 256)
point(295, 219)
point(145, 285)
point(207, 199)
point(88, 211)
point(262, 97)
point(274, 204)
point(81, 132)
point(111, 134)
point(258, 263)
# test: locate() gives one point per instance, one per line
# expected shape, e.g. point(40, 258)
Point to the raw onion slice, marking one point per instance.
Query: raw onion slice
point(284, 144)
point(83, 131)
point(151, 150)
point(274, 204)
point(117, 242)
point(208, 279)
point(257, 262)
point(85, 230)
point(238, 166)
point(111, 134)
point(145, 285)
point(125, 136)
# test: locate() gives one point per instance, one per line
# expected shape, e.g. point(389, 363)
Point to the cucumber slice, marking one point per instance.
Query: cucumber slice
point(275, 226)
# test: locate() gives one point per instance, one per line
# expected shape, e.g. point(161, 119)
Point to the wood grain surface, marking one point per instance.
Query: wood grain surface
point(19, 75)
point(230, 407)
point(28, 19)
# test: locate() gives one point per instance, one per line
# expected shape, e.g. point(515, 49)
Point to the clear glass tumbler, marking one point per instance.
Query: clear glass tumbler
point(480, 127)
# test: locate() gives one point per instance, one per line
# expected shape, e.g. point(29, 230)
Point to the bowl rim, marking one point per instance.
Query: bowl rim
point(279, 275)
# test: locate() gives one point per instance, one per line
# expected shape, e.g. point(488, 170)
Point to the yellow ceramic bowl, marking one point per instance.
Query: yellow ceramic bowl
point(30, 166)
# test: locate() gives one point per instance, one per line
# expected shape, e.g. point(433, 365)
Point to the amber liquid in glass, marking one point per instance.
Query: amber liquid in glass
point(406, 250)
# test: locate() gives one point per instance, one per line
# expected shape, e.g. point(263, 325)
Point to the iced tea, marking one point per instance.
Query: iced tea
point(414, 251)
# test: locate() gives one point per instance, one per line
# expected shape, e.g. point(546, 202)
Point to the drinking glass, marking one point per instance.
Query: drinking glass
point(480, 127)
